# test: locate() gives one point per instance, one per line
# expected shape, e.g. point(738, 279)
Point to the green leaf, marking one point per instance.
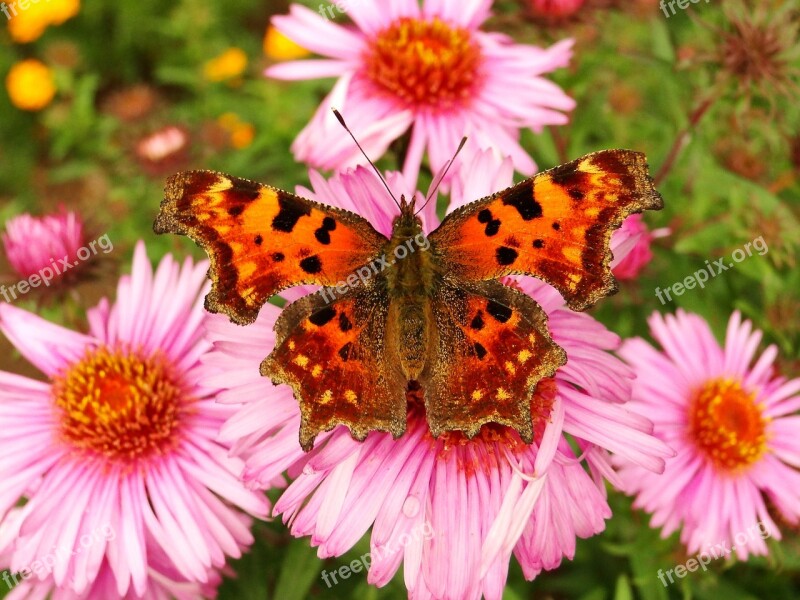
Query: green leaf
point(300, 569)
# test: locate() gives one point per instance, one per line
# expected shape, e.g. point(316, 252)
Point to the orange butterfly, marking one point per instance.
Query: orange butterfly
point(435, 318)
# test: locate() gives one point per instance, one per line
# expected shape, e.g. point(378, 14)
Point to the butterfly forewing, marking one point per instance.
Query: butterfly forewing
point(555, 226)
point(261, 240)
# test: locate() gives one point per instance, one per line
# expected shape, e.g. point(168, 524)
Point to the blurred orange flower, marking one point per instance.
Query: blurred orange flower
point(241, 133)
point(30, 85)
point(279, 47)
point(227, 65)
point(27, 25)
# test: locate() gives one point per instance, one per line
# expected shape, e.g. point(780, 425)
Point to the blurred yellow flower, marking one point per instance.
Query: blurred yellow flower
point(30, 85)
point(28, 24)
point(279, 47)
point(241, 133)
point(227, 65)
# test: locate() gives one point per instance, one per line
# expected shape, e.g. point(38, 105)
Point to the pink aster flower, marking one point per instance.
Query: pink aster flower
point(451, 510)
point(733, 423)
point(428, 69)
point(120, 438)
point(637, 239)
point(163, 583)
point(35, 243)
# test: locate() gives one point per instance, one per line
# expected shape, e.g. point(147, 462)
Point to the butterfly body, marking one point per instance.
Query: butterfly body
point(410, 286)
point(418, 310)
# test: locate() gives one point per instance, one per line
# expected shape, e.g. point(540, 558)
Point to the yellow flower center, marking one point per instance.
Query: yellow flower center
point(727, 425)
point(427, 63)
point(119, 404)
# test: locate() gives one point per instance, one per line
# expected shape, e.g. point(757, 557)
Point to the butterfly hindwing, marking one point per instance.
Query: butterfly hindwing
point(556, 226)
point(492, 348)
point(334, 356)
point(261, 240)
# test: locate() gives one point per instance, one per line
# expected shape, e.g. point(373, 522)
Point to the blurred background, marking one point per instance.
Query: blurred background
point(103, 100)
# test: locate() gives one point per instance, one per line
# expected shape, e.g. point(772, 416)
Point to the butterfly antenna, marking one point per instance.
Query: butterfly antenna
point(372, 164)
point(439, 182)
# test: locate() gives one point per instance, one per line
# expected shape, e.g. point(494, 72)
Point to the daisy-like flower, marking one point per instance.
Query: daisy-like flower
point(452, 510)
point(160, 587)
point(428, 69)
point(120, 438)
point(164, 582)
point(33, 244)
point(163, 151)
point(733, 423)
point(634, 232)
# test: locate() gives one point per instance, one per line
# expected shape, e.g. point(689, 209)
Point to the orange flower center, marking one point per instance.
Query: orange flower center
point(727, 425)
point(118, 404)
point(425, 63)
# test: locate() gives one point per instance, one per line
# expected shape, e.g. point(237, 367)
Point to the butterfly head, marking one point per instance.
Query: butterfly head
point(407, 220)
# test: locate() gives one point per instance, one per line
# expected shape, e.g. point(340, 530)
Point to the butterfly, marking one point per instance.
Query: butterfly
point(413, 309)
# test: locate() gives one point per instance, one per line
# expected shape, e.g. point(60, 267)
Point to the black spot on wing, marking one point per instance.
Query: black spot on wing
point(322, 317)
point(258, 240)
point(278, 256)
point(506, 256)
point(345, 351)
point(477, 323)
point(480, 351)
point(323, 236)
point(538, 244)
point(235, 211)
point(291, 210)
point(576, 194)
point(344, 323)
point(311, 264)
point(329, 224)
point(485, 216)
point(492, 227)
point(498, 311)
point(521, 198)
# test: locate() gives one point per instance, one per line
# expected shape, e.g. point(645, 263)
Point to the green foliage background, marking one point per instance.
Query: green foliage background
point(637, 77)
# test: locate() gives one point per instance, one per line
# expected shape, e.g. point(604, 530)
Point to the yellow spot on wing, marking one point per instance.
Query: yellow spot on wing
point(510, 367)
point(316, 371)
point(573, 254)
point(523, 356)
point(350, 396)
point(326, 397)
point(247, 269)
point(477, 395)
point(502, 394)
point(301, 361)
